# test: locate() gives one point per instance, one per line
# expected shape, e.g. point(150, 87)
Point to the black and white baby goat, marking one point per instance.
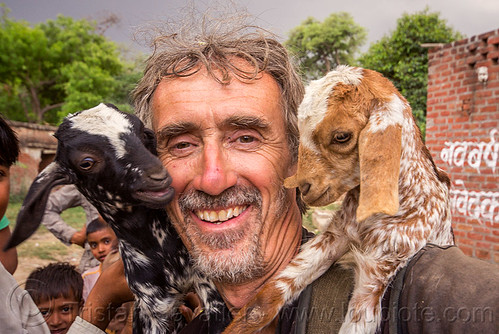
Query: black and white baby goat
point(111, 158)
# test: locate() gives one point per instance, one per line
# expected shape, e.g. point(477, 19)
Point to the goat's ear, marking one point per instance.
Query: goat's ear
point(33, 208)
point(379, 155)
point(150, 141)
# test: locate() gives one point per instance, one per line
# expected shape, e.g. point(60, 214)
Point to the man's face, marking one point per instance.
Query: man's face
point(226, 150)
point(59, 313)
point(4, 189)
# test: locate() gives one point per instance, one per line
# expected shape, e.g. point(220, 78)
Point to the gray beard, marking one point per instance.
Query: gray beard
point(236, 267)
point(228, 267)
point(223, 266)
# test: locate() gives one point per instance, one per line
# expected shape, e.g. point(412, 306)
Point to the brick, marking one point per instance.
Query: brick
point(467, 250)
point(465, 241)
point(484, 245)
point(475, 236)
point(483, 254)
point(464, 227)
point(493, 40)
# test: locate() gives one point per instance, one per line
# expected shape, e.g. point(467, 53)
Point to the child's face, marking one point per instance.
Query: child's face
point(59, 313)
point(101, 242)
point(4, 189)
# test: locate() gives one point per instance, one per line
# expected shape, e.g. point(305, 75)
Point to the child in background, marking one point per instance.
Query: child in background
point(19, 311)
point(104, 246)
point(102, 241)
point(57, 291)
point(9, 151)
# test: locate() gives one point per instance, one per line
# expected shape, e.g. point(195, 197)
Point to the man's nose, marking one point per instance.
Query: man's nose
point(216, 174)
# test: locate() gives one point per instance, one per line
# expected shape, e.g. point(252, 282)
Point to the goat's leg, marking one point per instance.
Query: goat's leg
point(315, 257)
point(372, 279)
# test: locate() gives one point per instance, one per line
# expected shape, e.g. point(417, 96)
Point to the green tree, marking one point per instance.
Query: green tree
point(400, 57)
point(126, 81)
point(55, 67)
point(320, 46)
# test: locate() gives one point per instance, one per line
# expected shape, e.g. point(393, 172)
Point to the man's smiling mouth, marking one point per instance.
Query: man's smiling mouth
point(219, 216)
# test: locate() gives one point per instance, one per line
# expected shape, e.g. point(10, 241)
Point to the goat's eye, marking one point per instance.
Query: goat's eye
point(341, 137)
point(87, 163)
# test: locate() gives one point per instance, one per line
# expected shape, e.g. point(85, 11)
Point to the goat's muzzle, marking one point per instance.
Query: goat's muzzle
point(156, 191)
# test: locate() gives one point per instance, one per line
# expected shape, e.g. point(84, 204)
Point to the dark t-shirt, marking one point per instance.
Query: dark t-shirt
point(287, 316)
point(441, 290)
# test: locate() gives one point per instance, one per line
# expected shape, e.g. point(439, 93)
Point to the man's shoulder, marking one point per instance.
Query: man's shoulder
point(448, 291)
point(328, 299)
point(440, 288)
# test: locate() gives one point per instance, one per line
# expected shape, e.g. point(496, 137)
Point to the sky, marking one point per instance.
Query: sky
point(379, 17)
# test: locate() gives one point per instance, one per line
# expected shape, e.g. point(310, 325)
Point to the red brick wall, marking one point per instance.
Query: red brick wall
point(463, 136)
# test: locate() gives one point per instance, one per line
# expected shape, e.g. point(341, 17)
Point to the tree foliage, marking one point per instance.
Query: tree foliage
point(56, 67)
point(400, 57)
point(320, 46)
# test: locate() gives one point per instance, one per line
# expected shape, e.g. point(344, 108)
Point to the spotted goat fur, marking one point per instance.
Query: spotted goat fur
point(111, 159)
point(358, 136)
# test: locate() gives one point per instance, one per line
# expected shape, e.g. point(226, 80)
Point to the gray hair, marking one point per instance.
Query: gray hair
point(216, 44)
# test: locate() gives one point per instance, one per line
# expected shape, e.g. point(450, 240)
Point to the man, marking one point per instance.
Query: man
point(226, 148)
point(223, 105)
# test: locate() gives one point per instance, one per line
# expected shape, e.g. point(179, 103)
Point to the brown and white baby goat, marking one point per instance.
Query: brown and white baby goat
point(358, 136)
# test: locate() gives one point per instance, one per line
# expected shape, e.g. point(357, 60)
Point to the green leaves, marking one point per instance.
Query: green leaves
point(320, 46)
point(400, 57)
point(54, 68)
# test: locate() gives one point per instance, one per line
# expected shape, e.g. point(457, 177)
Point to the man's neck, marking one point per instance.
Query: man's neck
point(236, 295)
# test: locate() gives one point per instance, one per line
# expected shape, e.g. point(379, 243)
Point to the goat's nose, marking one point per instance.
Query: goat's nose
point(159, 175)
point(305, 188)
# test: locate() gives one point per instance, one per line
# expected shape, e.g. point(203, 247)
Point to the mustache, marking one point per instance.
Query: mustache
point(237, 195)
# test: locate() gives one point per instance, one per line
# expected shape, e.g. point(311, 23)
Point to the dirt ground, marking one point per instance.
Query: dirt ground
point(29, 262)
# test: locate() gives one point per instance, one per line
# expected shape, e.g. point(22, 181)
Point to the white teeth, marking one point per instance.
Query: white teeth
point(213, 216)
point(220, 216)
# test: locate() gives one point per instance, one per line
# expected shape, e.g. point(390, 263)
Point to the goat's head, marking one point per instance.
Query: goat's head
point(350, 124)
point(109, 156)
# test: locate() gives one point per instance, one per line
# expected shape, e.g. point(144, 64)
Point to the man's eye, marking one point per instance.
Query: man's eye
point(92, 245)
point(246, 139)
point(181, 146)
point(66, 309)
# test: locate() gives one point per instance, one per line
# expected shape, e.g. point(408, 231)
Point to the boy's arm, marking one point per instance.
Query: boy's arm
point(8, 258)
point(109, 292)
